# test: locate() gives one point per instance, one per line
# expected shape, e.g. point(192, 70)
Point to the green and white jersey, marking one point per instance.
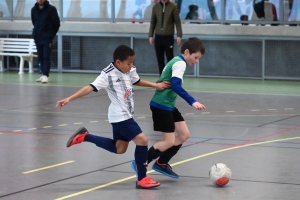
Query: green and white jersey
point(166, 99)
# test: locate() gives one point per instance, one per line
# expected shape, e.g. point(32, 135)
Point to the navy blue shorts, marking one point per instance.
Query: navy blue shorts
point(126, 130)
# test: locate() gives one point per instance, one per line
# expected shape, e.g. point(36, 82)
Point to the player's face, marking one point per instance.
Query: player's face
point(126, 65)
point(193, 58)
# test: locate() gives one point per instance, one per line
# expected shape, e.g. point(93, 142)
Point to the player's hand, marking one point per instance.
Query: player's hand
point(151, 40)
point(62, 103)
point(163, 85)
point(178, 40)
point(199, 106)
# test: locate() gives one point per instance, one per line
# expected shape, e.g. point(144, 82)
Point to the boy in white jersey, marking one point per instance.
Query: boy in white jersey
point(166, 117)
point(118, 80)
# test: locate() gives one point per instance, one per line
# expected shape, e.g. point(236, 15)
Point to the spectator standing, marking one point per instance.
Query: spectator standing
point(46, 24)
point(164, 18)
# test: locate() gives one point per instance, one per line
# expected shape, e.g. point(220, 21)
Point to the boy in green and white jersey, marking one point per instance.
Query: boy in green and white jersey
point(166, 117)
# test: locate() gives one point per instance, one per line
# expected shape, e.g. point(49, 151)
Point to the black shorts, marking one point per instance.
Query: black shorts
point(164, 120)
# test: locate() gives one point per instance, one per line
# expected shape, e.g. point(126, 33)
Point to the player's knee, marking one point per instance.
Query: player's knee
point(141, 140)
point(185, 136)
point(121, 150)
point(170, 142)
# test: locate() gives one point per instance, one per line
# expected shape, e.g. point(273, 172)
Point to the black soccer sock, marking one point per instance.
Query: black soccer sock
point(153, 154)
point(168, 154)
point(140, 156)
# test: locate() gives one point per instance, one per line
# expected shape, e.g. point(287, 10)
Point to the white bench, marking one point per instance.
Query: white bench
point(24, 48)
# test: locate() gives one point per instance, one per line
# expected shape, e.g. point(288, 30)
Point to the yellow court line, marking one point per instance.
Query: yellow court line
point(174, 164)
point(51, 166)
point(232, 148)
point(205, 113)
point(189, 113)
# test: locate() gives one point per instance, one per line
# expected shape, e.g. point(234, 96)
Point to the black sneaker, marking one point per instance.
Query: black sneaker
point(165, 169)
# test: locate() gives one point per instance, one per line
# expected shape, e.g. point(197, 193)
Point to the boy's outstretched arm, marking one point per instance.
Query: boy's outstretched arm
point(80, 93)
point(176, 87)
point(159, 86)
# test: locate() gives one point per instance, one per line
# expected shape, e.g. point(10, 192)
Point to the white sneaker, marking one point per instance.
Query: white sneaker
point(39, 79)
point(45, 79)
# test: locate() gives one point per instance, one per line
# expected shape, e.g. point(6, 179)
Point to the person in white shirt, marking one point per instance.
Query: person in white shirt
point(118, 80)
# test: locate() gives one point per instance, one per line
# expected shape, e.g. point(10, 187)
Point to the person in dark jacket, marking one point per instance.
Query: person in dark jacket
point(164, 18)
point(193, 13)
point(46, 24)
point(259, 8)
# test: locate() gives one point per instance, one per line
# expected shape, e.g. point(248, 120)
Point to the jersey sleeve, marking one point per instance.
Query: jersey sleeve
point(178, 69)
point(101, 82)
point(134, 76)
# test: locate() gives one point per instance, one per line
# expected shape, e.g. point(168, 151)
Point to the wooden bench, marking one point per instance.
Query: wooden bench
point(23, 48)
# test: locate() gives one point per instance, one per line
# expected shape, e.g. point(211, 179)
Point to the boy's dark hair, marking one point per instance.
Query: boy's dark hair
point(194, 45)
point(122, 52)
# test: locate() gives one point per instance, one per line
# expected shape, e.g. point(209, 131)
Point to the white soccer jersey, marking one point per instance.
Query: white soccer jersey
point(119, 87)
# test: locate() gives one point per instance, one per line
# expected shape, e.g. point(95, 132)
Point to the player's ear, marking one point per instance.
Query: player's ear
point(117, 62)
point(186, 52)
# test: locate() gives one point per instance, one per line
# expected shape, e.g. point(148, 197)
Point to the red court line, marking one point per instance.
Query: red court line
point(266, 136)
point(41, 148)
point(196, 143)
point(30, 133)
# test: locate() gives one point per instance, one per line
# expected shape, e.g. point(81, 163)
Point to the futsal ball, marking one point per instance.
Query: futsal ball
point(220, 174)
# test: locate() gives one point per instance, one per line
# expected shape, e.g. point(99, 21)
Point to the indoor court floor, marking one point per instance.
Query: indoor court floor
point(253, 126)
